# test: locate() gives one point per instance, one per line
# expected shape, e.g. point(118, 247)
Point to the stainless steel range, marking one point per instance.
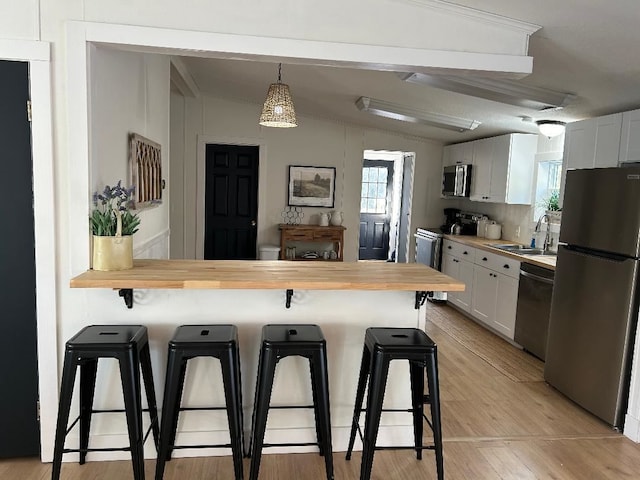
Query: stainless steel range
point(429, 253)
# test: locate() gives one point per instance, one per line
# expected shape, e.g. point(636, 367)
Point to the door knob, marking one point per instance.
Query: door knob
point(253, 223)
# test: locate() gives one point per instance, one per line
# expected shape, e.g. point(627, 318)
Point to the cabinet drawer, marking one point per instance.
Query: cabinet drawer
point(498, 263)
point(299, 235)
point(459, 250)
point(327, 236)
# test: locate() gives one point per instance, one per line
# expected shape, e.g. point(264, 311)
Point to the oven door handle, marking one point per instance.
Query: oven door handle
point(536, 277)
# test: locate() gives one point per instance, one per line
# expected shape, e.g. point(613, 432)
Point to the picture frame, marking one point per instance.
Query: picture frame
point(312, 186)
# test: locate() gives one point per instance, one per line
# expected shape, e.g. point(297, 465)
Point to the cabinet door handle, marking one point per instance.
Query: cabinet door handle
point(449, 247)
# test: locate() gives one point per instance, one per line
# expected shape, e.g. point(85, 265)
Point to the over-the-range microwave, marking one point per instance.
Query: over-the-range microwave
point(456, 180)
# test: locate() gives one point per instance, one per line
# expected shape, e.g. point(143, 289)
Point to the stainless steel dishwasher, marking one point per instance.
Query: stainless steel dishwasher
point(534, 308)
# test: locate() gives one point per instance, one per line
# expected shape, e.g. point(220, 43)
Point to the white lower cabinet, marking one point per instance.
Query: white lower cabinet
point(506, 305)
point(461, 270)
point(491, 280)
point(485, 288)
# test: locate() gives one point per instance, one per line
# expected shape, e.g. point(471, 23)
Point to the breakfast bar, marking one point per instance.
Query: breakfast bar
point(344, 298)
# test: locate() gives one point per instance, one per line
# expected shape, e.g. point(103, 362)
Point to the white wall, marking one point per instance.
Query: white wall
point(315, 142)
point(129, 94)
point(20, 22)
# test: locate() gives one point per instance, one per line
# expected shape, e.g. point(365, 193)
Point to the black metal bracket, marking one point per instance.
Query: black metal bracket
point(421, 296)
point(127, 295)
point(289, 295)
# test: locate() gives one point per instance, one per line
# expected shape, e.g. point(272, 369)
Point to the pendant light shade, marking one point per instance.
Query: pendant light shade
point(278, 108)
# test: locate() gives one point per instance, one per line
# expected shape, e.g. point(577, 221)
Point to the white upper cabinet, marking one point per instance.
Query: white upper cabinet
point(458, 154)
point(593, 143)
point(630, 138)
point(503, 169)
point(481, 170)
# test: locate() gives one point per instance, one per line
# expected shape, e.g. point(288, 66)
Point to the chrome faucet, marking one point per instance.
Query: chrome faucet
point(547, 239)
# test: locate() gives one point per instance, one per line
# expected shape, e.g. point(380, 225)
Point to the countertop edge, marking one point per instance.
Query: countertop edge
point(481, 243)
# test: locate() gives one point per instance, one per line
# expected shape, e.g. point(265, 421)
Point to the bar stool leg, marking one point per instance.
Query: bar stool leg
point(377, 386)
point(316, 413)
point(88, 369)
point(417, 403)
point(66, 394)
point(234, 408)
point(238, 377)
point(175, 413)
point(362, 385)
point(434, 400)
point(170, 404)
point(129, 372)
point(323, 419)
point(147, 376)
point(261, 408)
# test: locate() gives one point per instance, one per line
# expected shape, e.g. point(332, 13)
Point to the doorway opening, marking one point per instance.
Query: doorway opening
point(385, 205)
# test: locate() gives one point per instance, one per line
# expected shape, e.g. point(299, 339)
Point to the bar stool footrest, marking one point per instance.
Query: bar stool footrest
point(300, 444)
point(219, 445)
point(105, 449)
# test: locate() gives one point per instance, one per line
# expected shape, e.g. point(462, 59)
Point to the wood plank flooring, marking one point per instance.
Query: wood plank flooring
point(497, 424)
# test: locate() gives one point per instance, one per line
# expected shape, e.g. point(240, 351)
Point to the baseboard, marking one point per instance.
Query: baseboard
point(632, 428)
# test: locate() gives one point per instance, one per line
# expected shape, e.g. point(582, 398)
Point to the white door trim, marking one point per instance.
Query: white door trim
point(37, 55)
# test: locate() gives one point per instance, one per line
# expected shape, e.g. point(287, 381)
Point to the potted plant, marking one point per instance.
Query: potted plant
point(113, 225)
point(552, 206)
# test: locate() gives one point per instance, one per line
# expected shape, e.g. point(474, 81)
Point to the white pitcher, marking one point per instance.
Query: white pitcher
point(324, 219)
point(336, 218)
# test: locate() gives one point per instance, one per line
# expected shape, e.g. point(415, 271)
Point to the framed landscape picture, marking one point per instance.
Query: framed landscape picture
point(312, 186)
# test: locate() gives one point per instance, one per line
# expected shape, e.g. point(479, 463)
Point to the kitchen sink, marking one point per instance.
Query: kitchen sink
point(520, 249)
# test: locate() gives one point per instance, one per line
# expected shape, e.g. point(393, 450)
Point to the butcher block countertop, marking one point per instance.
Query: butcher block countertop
point(544, 261)
point(250, 274)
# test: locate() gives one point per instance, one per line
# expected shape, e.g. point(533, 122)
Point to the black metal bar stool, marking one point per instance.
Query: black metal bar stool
point(191, 341)
point(381, 346)
point(278, 342)
point(130, 346)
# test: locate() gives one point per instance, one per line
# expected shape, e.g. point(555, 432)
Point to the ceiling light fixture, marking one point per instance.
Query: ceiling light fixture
point(503, 91)
point(406, 114)
point(278, 108)
point(551, 128)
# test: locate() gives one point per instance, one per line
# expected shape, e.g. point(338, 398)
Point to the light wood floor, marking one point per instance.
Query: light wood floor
point(500, 421)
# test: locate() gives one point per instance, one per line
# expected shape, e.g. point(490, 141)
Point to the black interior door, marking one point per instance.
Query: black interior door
point(375, 209)
point(231, 202)
point(19, 427)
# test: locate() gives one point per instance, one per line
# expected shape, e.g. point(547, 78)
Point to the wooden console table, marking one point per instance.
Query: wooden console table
point(311, 234)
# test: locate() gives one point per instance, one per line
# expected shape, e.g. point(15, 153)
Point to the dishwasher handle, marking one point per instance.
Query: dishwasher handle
point(536, 277)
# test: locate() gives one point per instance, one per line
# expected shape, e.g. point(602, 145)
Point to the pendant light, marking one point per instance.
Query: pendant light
point(278, 108)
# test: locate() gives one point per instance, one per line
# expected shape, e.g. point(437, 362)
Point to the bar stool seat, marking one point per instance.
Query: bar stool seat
point(381, 346)
point(278, 342)
point(128, 344)
point(191, 341)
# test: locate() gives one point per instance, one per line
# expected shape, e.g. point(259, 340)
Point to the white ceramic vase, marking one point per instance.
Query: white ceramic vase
point(336, 218)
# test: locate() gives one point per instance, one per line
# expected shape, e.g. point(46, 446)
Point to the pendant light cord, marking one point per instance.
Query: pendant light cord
point(279, 73)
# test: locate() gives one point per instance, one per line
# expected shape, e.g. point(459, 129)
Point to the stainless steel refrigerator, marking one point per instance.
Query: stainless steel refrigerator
point(594, 309)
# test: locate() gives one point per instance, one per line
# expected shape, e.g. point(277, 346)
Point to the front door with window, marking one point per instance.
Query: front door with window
point(375, 209)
